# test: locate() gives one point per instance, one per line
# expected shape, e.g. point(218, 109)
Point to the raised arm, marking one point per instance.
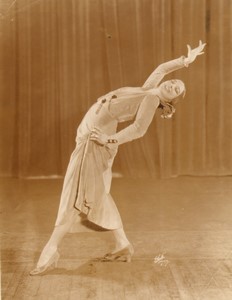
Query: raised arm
point(158, 74)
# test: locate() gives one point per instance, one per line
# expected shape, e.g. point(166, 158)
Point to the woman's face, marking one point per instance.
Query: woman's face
point(171, 89)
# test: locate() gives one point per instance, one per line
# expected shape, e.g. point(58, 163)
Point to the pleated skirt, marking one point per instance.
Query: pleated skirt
point(87, 182)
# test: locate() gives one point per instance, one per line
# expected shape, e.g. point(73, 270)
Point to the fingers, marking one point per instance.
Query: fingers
point(199, 49)
point(93, 138)
point(96, 136)
point(96, 140)
point(201, 45)
point(95, 132)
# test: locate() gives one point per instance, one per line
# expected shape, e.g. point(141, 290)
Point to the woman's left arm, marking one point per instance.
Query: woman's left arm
point(173, 65)
point(136, 130)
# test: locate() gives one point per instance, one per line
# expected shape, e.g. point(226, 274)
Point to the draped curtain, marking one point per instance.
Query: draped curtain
point(59, 56)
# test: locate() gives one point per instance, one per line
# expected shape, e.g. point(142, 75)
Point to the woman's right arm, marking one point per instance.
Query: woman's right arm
point(158, 74)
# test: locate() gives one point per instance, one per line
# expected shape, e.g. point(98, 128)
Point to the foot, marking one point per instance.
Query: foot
point(125, 254)
point(52, 263)
point(120, 247)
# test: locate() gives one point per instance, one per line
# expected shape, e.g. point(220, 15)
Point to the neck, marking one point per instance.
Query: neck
point(161, 97)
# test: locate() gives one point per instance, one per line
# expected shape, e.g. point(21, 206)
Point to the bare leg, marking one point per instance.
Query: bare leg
point(123, 250)
point(120, 238)
point(55, 239)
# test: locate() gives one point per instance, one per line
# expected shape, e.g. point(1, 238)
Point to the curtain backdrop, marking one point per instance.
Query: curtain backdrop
point(59, 56)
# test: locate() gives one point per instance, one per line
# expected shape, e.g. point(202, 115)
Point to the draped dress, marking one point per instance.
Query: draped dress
point(87, 182)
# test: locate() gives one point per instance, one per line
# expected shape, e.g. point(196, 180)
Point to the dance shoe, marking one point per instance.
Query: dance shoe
point(51, 264)
point(123, 255)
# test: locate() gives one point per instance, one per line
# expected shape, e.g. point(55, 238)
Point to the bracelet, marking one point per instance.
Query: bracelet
point(112, 141)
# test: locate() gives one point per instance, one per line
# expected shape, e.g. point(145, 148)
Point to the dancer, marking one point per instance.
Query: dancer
point(86, 187)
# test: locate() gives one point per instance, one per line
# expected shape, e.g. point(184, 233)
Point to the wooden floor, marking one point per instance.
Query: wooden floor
point(187, 219)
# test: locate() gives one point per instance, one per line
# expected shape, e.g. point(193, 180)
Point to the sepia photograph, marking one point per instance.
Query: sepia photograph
point(116, 149)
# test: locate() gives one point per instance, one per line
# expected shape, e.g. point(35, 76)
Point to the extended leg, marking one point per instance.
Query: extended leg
point(55, 239)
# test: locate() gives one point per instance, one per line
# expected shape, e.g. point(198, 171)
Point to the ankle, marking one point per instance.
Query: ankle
point(121, 245)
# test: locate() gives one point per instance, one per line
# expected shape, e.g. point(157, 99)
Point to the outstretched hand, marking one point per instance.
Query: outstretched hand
point(193, 53)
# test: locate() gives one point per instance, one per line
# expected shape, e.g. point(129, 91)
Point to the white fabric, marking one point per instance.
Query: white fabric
point(88, 177)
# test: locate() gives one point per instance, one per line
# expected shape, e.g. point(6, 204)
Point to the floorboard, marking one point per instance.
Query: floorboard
point(186, 219)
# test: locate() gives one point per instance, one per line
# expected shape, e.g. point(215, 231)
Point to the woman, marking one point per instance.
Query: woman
point(88, 178)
